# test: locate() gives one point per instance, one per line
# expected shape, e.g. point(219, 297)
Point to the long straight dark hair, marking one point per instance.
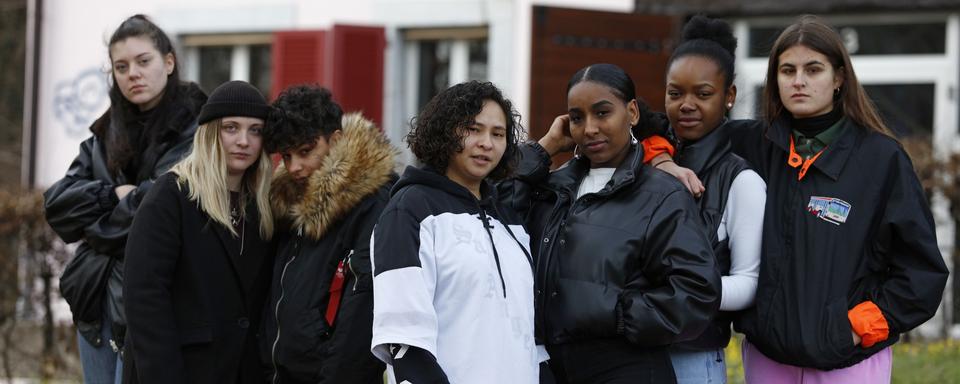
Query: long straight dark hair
point(118, 148)
point(810, 31)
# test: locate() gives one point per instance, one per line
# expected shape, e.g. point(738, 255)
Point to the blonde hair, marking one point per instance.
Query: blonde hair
point(204, 171)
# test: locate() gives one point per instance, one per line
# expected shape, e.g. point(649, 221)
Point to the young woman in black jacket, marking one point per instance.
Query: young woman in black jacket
point(624, 267)
point(198, 257)
point(849, 257)
point(148, 128)
point(699, 92)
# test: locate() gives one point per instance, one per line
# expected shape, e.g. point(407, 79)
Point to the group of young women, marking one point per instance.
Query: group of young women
point(807, 230)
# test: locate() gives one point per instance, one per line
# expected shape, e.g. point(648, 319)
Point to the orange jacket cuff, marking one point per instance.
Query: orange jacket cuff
point(653, 146)
point(868, 322)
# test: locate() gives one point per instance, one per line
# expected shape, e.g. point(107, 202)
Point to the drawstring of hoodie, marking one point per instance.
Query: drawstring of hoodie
point(496, 255)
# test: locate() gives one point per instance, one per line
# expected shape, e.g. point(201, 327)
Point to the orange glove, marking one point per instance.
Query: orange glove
point(654, 146)
point(868, 322)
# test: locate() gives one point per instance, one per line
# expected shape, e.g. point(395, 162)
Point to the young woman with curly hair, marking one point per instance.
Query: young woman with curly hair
point(453, 277)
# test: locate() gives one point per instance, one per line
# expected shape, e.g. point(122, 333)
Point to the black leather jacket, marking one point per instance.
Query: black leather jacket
point(717, 166)
point(631, 260)
point(82, 207)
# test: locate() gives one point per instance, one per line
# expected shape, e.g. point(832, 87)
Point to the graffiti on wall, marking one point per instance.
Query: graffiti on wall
point(77, 102)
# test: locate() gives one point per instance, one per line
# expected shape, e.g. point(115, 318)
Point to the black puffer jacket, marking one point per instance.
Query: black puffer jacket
point(327, 221)
point(83, 207)
point(631, 260)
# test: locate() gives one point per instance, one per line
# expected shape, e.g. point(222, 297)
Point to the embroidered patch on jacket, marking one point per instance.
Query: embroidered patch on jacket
point(830, 209)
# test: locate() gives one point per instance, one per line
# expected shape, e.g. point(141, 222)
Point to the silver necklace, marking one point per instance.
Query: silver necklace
point(236, 219)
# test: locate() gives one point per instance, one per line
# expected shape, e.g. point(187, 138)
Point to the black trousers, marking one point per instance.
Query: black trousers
point(610, 361)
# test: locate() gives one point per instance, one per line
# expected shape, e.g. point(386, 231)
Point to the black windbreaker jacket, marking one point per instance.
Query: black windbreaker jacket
point(857, 227)
point(630, 261)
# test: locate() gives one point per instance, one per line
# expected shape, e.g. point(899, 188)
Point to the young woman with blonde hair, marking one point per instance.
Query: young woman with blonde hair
point(199, 255)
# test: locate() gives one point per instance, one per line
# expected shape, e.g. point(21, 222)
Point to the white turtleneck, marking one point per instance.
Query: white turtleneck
point(595, 180)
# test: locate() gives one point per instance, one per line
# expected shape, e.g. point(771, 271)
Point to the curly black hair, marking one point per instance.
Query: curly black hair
point(302, 113)
point(437, 133)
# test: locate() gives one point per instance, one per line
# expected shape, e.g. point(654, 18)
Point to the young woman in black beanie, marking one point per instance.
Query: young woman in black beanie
point(199, 256)
point(149, 127)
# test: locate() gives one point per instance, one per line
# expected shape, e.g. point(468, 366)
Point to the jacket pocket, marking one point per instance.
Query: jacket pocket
point(83, 281)
point(837, 340)
point(304, 346)
point(584, 309)
point(197, 335)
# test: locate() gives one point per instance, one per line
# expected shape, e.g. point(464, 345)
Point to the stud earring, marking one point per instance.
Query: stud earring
point(729, 105)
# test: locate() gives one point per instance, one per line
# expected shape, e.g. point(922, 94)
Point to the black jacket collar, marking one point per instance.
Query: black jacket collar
point(433, 178)
point(568, 177)
point(700, 156)
point(834, 156)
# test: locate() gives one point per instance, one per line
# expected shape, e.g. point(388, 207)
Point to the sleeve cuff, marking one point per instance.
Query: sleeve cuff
point(106, 197)
point(868, 322)
point(621, 326)
point(653, 146)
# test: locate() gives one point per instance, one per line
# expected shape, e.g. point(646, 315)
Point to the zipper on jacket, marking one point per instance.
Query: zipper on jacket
point(356, 278)
point(546, 255)
point(276, 310)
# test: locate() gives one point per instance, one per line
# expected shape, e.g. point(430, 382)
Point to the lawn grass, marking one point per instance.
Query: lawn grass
point(913, 363)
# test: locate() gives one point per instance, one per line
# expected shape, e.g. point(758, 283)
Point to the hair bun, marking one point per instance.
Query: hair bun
point(716, 30)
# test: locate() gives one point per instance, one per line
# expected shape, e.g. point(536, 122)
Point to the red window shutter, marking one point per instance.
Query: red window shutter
point(356, 72)
point(298, 57)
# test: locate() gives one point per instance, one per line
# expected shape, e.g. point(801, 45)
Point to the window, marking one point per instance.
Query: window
point(907, 109)
point(444, 57)
point(211, 60)
point(869, 39)
point(214, 66)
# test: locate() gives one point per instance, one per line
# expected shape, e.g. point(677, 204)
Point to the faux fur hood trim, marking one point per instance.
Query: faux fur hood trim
point(359, 164)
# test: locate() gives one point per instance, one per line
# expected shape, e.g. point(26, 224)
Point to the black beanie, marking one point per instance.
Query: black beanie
point(234, 98)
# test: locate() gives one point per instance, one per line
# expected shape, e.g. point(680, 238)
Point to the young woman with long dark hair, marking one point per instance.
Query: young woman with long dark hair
point(148, 127)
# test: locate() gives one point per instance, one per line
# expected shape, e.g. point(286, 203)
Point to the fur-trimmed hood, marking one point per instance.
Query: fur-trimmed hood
point(358, 165)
